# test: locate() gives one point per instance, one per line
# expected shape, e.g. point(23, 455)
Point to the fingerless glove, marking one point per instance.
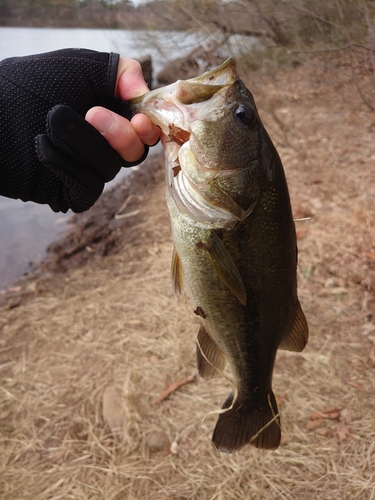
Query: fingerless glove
point(48, 152)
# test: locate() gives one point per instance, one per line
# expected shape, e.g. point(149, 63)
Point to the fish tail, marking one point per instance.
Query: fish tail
point(248, 422)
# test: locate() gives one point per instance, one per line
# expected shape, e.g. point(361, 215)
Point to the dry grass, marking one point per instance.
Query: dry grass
point(114, 322)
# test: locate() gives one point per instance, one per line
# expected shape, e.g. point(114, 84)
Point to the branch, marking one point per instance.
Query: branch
point(371, 37)
point(315, 16)
point(355, 81)
point(174, 387)
point(334, 49)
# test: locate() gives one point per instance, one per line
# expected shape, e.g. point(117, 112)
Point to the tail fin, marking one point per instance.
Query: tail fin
point(248, 423)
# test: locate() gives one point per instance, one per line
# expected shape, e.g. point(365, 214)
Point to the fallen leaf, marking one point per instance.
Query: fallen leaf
point(301, 233)
point(357, 385)
point(157, 441)
point(284, 438)
point(338, 290)
point(280, 399)
point(330, 413)
point(344, 432)
point(88, 336)
point(314, 424)
point(323, 431)
point(346, 378)
point(317, 415)
point(369, 255)
point(14, 302)
point(179, 450)
point(368, 328)
point(113, 410)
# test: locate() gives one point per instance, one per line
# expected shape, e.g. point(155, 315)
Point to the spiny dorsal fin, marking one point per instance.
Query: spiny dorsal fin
point(177, 274)
point(298, 335)
point(226, 268)
point(210, 358)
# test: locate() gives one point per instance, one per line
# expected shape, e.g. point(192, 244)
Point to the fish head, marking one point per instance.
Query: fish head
point(212, 137)
point(177, 105)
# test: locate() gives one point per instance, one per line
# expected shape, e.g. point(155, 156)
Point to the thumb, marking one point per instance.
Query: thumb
point(118, 131)
point(130, 82)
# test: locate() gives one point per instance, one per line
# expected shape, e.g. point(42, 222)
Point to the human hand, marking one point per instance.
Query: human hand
point(50, 153)
point(126, 137)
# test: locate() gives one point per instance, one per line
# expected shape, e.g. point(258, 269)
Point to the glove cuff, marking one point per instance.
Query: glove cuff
point(111, 76)
point(137, 162)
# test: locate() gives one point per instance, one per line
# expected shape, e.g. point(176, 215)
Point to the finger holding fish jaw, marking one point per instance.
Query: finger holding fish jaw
point(235, 252)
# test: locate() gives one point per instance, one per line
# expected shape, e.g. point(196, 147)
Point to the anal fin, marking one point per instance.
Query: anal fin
point(248, 422)
point(211, 360)
point(299, 333)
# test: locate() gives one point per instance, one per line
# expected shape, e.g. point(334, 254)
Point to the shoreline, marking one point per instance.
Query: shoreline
point(96, 233)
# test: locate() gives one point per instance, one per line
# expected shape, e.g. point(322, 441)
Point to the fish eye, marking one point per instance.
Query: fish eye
point(245, 114)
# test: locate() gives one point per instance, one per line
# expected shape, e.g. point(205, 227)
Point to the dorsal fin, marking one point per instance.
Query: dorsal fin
point(299, 333)
point(176, 274)
point(211, 360)
point(225, 267)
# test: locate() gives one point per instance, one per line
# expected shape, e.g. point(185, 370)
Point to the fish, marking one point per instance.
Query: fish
point(235, 250)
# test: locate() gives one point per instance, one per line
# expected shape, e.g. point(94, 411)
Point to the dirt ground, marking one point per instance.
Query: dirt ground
point(90, 342)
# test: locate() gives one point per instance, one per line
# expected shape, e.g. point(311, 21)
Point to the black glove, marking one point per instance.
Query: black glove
point(49, 153)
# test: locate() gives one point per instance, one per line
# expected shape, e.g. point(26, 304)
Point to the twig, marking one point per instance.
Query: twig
point(371, 37)
point(174, 387)
point(130, 198)
point(333, 49)
point(349, 45)
point(356, 84)
point(285, 132)
point(369, 255)
point(315, 16)
point(341, 13)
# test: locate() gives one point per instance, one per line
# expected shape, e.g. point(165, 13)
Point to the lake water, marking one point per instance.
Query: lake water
point(27, 228)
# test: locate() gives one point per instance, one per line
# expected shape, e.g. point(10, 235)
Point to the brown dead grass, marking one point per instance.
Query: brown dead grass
point(113, 321)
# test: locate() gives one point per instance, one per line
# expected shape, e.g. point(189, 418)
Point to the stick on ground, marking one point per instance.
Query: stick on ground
point(174, 387)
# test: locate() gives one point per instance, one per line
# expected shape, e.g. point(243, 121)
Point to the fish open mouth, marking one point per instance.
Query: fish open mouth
point(176, 109)
point(172, 143)
point(178, 135)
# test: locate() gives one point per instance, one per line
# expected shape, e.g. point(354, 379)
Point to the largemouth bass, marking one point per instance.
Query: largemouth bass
point(235, 250)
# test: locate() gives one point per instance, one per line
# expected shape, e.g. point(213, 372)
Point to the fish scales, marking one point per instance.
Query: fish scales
point(235, 252)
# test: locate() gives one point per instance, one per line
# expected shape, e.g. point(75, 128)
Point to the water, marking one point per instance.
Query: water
point(27, 228)
point(132, 44)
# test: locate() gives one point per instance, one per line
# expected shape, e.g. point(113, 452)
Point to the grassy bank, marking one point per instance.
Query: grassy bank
point(87, 347)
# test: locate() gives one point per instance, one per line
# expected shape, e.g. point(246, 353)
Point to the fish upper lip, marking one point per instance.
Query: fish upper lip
point(162, 106)
point(178, 103)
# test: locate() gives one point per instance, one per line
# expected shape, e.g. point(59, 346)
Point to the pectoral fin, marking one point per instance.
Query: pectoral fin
point(177, 274)
point(298, 335)
point(226, 268)
point(210, 358)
